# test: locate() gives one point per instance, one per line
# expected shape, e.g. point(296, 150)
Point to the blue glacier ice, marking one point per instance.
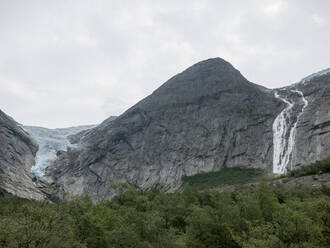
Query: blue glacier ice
point(50, 141)
point(314, 75)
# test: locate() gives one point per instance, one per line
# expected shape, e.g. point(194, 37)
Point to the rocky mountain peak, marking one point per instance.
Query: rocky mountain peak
point(208, 66)
point(201, 80)
point(204, 118)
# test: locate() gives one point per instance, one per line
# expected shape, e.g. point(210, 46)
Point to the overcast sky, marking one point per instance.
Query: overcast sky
point(65, 63)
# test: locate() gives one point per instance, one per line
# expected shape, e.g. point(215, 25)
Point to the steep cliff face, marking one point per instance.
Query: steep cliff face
point(302, 129)
point(17, 151)
point(313, 131)
point(203, 119)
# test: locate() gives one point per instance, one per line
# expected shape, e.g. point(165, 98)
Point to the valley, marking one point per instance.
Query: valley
point(203, 120)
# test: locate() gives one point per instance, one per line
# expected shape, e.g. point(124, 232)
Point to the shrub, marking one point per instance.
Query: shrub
point(318, 167)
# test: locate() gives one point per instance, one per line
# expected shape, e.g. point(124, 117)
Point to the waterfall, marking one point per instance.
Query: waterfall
point(280, 142)
point(284, 134)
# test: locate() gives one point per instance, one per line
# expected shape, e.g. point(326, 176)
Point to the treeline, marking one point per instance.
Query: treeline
point(263, 216)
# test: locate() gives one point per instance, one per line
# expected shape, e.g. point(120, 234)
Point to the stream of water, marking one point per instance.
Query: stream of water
point(284, 134)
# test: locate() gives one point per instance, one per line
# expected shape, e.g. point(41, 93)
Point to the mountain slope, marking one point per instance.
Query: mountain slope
point(203, 119)
point(302, 130)
point(314, 128)
point(17, 151)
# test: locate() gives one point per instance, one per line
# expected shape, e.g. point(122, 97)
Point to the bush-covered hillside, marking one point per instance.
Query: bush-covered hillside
point(226, 176)
point(263, 216)
point(318, 167)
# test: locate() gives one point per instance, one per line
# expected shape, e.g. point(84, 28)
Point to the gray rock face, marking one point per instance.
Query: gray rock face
point(313, 130)
point(17, 151)
point(203, 119)
point(306, 121)
point(75, 138)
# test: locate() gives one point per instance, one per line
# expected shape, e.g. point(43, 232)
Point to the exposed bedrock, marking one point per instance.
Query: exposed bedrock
point(17, 151)
point(313, 129)
point(203, 119)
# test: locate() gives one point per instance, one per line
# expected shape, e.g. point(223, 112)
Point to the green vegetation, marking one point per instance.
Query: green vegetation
point(263, 216)
point(256, 217)
point(318, 167)
point(226, 176)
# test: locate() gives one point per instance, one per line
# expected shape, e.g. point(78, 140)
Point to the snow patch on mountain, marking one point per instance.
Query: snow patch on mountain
point(50, 141)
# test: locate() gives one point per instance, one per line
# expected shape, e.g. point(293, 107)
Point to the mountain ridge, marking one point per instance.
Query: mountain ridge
point(153, 144)
point(203, 119)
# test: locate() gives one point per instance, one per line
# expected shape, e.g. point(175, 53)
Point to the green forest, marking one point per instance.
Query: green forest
point(258, 216)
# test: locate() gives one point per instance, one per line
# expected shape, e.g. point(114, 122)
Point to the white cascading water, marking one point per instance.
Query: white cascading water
point(280, 129)
point(284, 135)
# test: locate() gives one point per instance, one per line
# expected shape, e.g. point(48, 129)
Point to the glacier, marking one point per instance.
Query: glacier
point(314, 75)
point(50, 141)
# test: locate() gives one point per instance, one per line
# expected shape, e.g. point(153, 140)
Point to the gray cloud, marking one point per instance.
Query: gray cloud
point(65, 63)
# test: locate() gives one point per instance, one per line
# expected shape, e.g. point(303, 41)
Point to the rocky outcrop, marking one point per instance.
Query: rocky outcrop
point(313, 130)
point(17, 151)
point(201, 120)
point(75, 138)
point(302, 129)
